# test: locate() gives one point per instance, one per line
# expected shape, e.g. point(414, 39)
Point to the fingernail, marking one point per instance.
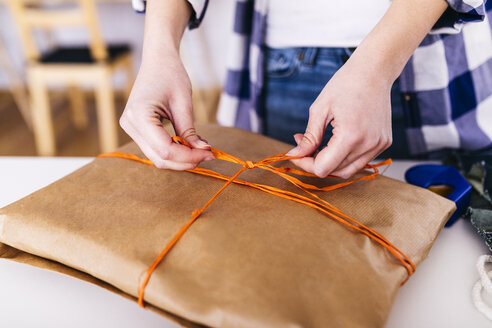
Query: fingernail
point(202, 143)
point(208, 159)
point(293, 152)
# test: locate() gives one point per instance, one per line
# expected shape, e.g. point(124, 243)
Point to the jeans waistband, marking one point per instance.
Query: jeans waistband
point(308, 55)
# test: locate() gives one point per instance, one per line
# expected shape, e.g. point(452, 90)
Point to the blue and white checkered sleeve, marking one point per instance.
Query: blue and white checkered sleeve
point(199, 7)
point(458, 13)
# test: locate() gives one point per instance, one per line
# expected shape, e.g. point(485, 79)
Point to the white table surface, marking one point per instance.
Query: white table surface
point(437, 295)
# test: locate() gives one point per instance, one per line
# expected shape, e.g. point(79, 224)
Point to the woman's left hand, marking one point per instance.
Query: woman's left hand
point(356, 102)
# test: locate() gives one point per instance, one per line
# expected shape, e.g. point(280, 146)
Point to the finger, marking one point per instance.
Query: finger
point(311, 139)
point(322, 165)
point(347, 165)
point(190, 135)
point(369, 150)
point(181, 153)
point(355, 166)
point(165, 164)
point(305, 163)
point(176, 166)
point(330, 157)
point(298, 138)
point(183, 124)
point(162, 144)
point(149, 134)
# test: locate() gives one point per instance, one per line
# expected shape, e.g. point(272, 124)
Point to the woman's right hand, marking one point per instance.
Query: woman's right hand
point(163, 90)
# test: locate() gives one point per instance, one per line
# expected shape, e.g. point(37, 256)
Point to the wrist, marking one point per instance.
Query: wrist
point(165, 23)
point(160, 52)
point(387, 48)
point(373, 68)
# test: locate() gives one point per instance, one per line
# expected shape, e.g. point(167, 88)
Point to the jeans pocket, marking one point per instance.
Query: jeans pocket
point(280, 63)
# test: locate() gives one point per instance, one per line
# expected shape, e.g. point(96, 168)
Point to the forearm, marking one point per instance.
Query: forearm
point(390, 44)
point(165, 23)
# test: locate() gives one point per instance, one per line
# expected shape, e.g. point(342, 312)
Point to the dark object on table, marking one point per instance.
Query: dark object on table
point(477, 169)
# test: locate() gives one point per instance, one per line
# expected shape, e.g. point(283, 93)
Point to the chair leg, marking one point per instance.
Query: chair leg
point(79, 114)
point(106, 115)
point(44, 134)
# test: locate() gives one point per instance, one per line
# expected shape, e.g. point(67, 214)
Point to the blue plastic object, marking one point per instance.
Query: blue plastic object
point(427, 175)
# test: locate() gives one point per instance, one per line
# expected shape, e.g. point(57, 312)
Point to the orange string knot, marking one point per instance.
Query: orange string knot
point(249, 164)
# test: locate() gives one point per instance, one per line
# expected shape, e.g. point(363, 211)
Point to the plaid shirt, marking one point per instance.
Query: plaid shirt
point(446, 85)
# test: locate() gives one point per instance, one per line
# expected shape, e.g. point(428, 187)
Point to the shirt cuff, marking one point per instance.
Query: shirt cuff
point(458, 13)
point(139, 5)
point(198, 9)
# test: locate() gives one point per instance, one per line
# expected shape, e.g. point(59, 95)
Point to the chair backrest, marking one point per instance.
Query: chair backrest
point(38, 14)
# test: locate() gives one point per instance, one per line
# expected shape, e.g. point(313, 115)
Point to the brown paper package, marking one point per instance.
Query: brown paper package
point(251, 260)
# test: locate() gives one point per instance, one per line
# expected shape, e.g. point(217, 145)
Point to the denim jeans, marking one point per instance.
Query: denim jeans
point(293, 79)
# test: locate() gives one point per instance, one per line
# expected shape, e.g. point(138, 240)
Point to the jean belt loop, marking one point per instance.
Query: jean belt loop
point(310, 56)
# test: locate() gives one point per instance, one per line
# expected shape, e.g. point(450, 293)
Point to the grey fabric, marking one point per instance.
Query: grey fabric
point(477, 169)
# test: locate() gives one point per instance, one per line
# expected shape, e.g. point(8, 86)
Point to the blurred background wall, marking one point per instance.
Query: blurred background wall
point(204, 52)
point(120, 24)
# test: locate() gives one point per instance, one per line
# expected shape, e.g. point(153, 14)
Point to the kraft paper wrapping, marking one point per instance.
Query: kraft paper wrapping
point(251, 260)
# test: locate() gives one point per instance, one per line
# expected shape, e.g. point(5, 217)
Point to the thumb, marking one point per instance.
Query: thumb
point(309, 142)
point(184, 127)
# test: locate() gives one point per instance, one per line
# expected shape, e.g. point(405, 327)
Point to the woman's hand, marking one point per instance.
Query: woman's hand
point(356, 102)
point(163, 90)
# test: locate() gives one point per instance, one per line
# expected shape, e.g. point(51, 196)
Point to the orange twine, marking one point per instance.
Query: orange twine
point(265, 164)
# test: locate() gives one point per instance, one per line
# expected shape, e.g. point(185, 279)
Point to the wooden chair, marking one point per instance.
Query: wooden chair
point(15, 84)
point(71, 66)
